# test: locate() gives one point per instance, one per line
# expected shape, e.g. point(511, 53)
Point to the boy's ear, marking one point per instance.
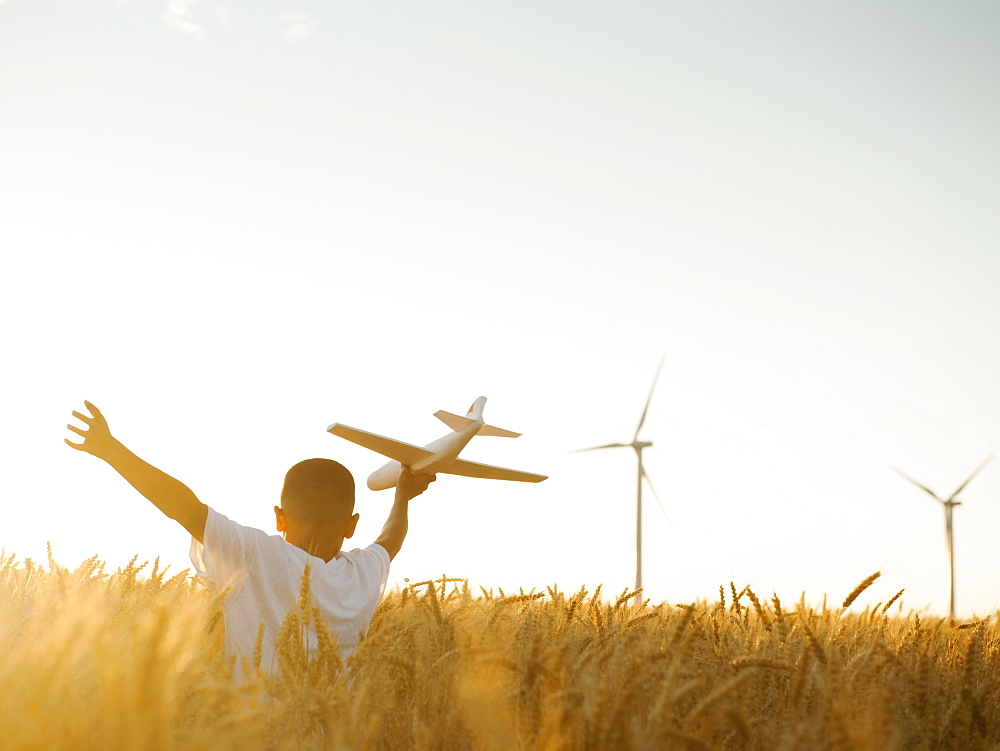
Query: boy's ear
point(352, 525)
point(280, 522)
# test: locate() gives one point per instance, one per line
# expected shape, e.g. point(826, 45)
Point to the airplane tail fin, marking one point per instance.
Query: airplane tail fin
point(455, 422)
point(476, 410)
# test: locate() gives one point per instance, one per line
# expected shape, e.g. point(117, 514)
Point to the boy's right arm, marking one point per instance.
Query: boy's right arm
point(168, 494)
point(409, 486)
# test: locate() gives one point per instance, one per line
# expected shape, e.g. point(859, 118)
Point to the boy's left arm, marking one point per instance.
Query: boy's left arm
point(168, 494)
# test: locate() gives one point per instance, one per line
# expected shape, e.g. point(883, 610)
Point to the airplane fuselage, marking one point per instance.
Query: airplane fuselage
point(446, 450)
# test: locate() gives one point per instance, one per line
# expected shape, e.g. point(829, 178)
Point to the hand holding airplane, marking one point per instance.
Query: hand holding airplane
point(440, 455)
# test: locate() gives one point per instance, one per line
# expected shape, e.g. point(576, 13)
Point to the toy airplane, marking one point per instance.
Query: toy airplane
point(439, 456)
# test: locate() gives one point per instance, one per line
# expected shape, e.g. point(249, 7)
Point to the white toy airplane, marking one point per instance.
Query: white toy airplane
point(439, 456)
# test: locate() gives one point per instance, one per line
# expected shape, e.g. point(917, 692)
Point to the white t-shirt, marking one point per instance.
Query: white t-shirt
point(259, 577)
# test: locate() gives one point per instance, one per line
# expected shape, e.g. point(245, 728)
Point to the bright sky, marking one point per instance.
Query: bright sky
point(230, 224)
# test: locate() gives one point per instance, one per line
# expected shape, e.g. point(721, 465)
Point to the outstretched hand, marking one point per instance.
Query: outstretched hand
point(97, 438)
point(411, 484)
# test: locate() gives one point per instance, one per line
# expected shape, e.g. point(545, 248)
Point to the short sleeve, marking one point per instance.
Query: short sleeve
point(377, 558)
point(223, 561)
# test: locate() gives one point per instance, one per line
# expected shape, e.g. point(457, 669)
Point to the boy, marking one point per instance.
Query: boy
point(259, 576)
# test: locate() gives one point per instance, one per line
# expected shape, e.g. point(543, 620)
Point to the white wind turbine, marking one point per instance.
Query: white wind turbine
point(637, 446)
point(949, 507)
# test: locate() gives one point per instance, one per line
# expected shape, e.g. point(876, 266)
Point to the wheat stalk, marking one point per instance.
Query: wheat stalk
point(865, 583)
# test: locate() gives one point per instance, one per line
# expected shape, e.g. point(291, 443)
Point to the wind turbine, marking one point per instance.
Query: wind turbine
point(637, 446)
point(949, 508)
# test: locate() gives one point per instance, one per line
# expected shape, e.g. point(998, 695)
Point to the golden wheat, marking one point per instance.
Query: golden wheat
point(134, 659)
point(865, 583)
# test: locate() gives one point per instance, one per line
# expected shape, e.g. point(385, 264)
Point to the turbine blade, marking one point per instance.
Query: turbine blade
point(924, 488)
point(962, 486)
point(648, 400)
point(649, 482)
point(605, 446)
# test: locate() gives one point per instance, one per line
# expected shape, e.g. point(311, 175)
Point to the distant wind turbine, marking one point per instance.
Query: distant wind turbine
point(637, 446)
point(949, 507)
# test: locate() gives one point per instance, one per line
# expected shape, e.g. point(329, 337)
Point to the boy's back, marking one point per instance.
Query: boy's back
point(259, 578)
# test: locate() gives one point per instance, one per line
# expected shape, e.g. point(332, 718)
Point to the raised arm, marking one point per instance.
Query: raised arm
point(409, 486)
point(171, 496)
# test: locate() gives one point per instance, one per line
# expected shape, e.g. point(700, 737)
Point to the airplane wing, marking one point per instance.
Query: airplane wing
point(404, 453)
point(489, 472)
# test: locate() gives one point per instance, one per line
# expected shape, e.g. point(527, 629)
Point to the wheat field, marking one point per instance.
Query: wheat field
point(133, 658)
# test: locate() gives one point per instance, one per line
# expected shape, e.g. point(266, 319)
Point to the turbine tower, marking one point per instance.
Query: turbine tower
point(949, 508)
point(637, 446)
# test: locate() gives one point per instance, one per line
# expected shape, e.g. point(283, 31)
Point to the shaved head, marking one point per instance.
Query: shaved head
point(318, 492)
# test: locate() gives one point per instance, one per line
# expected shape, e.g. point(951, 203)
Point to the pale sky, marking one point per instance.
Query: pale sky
point(230, 224)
